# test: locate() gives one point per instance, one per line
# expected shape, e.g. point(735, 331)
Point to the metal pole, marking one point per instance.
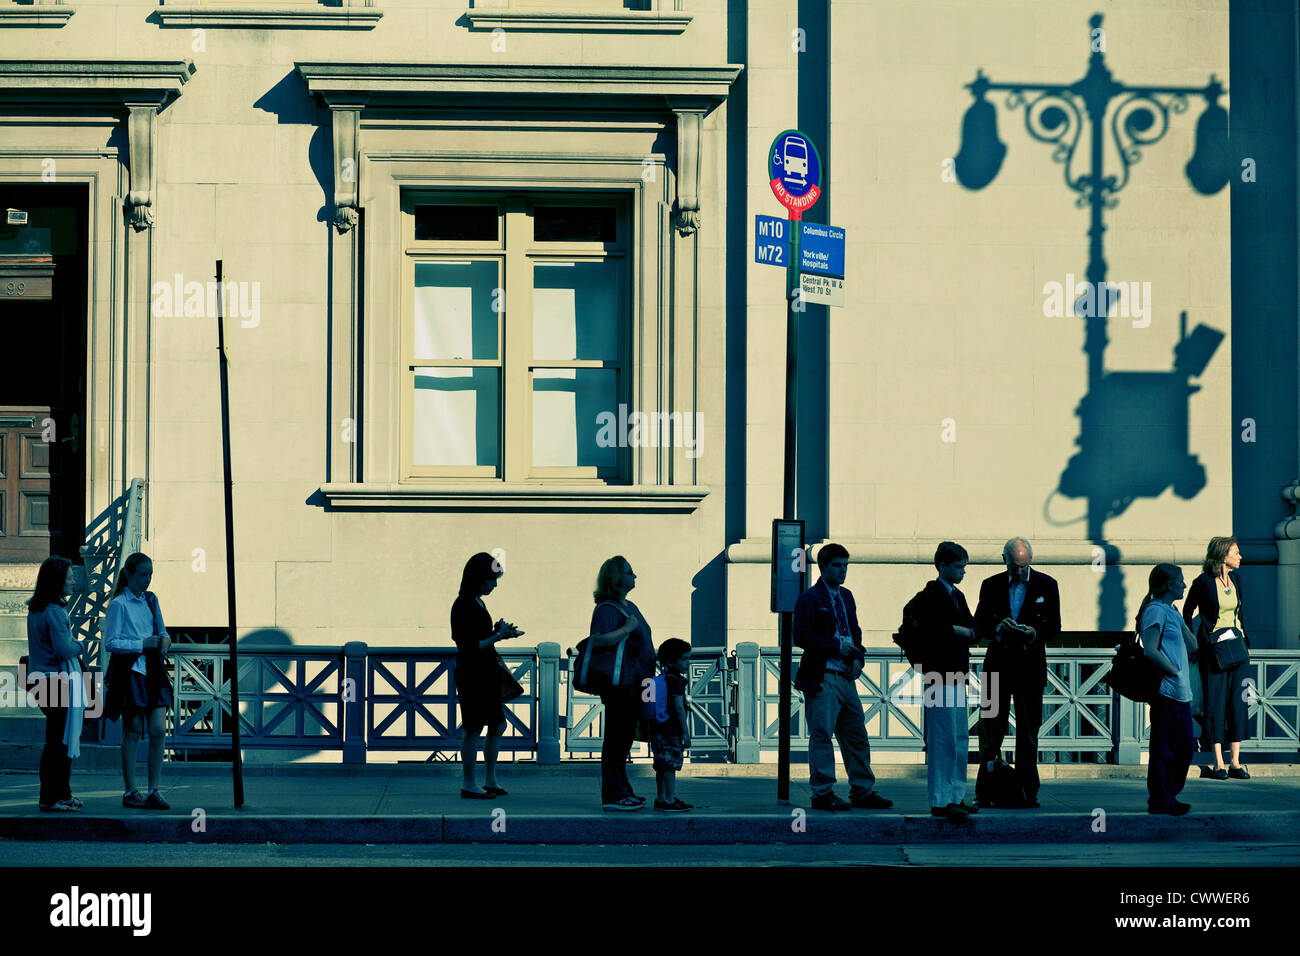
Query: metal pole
point(236, 765)
point(788, 502)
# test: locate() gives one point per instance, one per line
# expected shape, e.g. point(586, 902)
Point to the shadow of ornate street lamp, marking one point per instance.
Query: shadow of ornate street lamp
point(1131, 119)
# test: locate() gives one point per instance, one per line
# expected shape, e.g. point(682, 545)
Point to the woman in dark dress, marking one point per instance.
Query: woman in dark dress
point(478, 677)
point(617, 619)
point(1216, 593)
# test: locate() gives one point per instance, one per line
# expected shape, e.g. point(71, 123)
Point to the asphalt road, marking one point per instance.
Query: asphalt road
point(19, 853)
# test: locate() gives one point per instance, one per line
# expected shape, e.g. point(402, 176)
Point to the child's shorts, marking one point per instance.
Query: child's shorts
point(667, 750)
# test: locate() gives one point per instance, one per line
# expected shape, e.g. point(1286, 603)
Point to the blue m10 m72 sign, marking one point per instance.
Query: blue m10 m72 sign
point(771, 241)
point(795, 171)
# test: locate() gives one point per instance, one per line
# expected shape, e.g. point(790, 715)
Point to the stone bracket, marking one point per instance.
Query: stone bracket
point(142, 126)
point(689, 124)
point(347, 165)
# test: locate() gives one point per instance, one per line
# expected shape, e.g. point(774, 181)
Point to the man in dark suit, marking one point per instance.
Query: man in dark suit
point(1019, 614)
point(826, 628)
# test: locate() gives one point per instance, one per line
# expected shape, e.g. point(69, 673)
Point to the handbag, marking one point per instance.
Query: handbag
point(1131, 675)
point(602, 670)
point(510, 687)
point(1230, 652)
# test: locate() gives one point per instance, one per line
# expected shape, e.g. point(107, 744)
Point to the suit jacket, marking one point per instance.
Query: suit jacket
point(1041, 611)
point(1203, 596)
point(814, 632)
point(942, 651)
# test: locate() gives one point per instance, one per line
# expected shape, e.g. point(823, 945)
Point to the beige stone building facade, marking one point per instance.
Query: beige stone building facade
point(490, 286)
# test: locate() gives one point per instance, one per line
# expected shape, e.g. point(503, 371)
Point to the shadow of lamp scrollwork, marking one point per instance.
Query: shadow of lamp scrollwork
point(1133, 437)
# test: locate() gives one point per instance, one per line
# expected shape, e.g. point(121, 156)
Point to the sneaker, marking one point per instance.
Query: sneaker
point(624, 803)
point(77, 804)
point(133, 800)
point(155, 801)
point(675, 807)
point(872, 801)
point(58, 806)
point(640, 800)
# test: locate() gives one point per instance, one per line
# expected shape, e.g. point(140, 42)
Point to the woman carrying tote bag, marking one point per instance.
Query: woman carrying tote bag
point(615, 621)
point(1223, 654)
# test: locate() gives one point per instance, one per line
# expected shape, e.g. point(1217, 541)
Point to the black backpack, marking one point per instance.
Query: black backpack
point(909, 636)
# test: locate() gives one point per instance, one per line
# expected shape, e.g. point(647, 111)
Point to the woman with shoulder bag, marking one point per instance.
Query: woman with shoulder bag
point(479, 670)
point(53, 667)
point(1163, 644)
point(1223, 654)
point(138, 687)
point(617, 620)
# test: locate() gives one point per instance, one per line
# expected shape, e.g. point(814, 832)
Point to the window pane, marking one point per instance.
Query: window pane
point(457, 414)
point(465, 223)
point(454, 318)
point(567, 419)
point(574, 223)
point(575, 310)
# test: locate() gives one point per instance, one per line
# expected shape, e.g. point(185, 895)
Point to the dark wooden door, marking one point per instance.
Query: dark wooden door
point(27, 438)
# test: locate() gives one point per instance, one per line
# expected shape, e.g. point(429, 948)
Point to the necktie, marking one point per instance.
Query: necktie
point(841, 618)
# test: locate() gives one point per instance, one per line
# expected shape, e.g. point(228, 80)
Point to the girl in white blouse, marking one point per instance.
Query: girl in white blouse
point(139, 689)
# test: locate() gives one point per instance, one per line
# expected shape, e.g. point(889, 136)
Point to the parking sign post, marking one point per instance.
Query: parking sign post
point(794, 170)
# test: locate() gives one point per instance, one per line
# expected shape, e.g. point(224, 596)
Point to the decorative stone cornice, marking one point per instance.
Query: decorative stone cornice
point(515, 497)
point(35, 15)
point(580, 21)
point(114, 83)
point(289, 16)
point(626, 87)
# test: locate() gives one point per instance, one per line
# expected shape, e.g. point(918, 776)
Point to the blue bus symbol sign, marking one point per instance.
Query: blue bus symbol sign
point(795, 171)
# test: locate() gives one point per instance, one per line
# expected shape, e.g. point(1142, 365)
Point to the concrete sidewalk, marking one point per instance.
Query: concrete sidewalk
point(560, 805)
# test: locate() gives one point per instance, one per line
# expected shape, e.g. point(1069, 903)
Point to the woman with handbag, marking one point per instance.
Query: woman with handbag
point(1223, 654)
point(138, 688)
point(481, 675)
point(1170, 709)
point(617, 624)
point(55, 679)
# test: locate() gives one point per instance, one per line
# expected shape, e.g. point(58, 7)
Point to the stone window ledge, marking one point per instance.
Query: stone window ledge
point(36, 15)
point(301, 17)
point(514, 497)
point(568, 21)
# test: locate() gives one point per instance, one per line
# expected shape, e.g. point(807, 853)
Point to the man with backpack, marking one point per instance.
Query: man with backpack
point(826, 628)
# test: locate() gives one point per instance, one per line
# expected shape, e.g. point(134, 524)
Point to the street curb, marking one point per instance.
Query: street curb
point(1004, 827)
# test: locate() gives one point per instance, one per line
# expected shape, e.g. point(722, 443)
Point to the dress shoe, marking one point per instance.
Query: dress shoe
point(1215, 773)
point(1238, 773)
point(969, 808)
point(1175, 809)
point(872, 801)
point(952, 811)
point(830, 802)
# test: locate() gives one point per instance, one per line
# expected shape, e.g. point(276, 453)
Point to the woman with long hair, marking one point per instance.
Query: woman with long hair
point(53, 663)
point(1166, 646)
point(478, 674)
point(616, 620)
point(138, 688)
point(1216, 593)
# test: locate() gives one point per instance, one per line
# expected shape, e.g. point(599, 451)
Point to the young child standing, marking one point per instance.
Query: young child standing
point(670, 736)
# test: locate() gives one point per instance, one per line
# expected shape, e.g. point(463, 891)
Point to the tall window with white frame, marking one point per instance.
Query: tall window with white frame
point(516, 336)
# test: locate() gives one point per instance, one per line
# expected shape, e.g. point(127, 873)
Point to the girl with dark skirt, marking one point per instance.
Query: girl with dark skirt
point(52, 663)
point(138, 688)
point(1165, 645)
point(1216, 593)
point(478, 674)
